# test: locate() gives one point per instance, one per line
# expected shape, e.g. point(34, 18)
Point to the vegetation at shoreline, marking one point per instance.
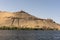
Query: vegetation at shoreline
point(16, 28)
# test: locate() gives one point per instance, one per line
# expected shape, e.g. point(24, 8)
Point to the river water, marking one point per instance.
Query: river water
point(29, 35)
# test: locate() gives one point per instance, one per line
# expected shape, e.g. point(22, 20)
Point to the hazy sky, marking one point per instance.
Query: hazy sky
point(38, 8)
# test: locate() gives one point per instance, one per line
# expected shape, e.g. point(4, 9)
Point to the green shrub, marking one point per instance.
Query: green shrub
point(16, 28)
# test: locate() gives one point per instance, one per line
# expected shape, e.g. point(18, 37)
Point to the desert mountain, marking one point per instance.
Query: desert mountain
point(23, 19)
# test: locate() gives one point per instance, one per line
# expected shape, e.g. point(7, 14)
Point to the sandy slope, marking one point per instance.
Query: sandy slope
point(23, 19)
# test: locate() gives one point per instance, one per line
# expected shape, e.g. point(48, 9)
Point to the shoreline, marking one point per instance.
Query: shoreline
point(17, 28)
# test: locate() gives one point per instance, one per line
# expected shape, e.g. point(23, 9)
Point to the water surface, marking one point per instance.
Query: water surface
point(29, 35)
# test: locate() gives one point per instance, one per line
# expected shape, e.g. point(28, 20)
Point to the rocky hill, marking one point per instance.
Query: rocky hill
point(22, 19)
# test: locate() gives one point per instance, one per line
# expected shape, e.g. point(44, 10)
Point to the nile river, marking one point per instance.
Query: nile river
point(29, 35)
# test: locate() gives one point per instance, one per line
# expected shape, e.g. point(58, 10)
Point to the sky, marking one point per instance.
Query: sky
point(39, 8)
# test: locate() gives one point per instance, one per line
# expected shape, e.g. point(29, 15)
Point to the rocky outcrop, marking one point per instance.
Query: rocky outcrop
point(25, 20)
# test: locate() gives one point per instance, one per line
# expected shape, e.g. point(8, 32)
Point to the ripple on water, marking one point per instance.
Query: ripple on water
point(29, 35)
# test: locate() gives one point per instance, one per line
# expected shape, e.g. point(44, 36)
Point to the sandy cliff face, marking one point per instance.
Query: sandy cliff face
point(23, 19)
